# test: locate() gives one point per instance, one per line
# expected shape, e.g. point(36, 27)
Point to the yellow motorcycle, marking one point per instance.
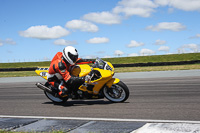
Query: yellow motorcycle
point(102, 84)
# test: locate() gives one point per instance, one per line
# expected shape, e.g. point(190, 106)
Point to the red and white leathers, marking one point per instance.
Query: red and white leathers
point(60, 76)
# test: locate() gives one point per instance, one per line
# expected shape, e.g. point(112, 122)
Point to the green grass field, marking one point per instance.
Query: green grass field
point(122, 60)
point(155, 58)
point(117, 70)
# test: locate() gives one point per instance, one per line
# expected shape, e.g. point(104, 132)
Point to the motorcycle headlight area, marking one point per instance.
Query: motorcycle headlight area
point(107, 67)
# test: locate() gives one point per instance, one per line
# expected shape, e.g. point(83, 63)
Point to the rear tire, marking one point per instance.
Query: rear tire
point(117, 93)
point(55, 99)
point(52, 97)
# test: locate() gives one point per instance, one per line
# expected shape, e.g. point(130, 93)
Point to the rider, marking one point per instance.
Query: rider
point(64, 73)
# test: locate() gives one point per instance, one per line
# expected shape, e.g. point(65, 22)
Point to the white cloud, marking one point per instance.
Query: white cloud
point(135, 44)
point(133, 54)
point(44, 32)
point(118, 53)
point(96, 40)
point(100, 52)
point(189, 48)
point(145, 52)
point(64, 42)
point(7, 41)
point(196, 36)
point(160, 42)
point(89, 56)
point(170, 10)
point(173, 26)
point(143, 8)
point(107, 56)
point(103, 17)
point(137, 3)
point(82, 25)
point(162, 2)
point(186, 5)
point(10, 41)
point(46, 58)
point(164, 48)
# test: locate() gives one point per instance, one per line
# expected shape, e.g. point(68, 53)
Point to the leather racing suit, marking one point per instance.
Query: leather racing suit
point(61, 74)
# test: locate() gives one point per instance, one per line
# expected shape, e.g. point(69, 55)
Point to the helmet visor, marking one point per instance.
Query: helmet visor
point(73, 57)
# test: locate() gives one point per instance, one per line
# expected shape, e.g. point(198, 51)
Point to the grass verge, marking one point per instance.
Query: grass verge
point(120, 60)
point(117, 70)
point(18, 74)
point(157, 68)
point(155, 58)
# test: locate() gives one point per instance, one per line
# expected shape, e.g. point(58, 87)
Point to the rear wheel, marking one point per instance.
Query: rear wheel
point(117, 93)
point(54, 98)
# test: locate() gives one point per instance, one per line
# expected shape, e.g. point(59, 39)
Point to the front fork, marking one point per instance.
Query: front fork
point(112, 81)
point(112, 90)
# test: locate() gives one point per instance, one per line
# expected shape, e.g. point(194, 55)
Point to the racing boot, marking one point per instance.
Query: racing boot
point(63, 91)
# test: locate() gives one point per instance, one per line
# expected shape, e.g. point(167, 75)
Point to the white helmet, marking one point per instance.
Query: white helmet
point(70, 54)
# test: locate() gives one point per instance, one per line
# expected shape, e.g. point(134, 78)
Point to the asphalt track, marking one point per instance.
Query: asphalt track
point(172, 96)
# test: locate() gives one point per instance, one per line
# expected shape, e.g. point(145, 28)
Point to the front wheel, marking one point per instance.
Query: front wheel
point(117, 93)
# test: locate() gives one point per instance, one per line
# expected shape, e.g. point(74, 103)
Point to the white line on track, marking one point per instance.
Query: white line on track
point(101, 119)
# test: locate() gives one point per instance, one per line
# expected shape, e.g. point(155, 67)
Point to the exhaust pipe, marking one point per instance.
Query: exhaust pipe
point(44, 88)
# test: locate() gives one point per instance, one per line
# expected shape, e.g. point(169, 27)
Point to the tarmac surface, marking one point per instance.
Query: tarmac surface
point(155, 97)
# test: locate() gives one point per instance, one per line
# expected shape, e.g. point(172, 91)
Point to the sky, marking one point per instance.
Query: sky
point(35, 30)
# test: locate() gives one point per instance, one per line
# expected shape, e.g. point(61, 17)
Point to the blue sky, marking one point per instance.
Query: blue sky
point(35, 30)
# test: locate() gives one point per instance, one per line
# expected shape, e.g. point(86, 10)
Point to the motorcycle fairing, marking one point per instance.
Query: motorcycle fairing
point(42, 72)
point(112, 81)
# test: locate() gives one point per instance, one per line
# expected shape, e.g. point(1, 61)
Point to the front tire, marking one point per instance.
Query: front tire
point(117, 93)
